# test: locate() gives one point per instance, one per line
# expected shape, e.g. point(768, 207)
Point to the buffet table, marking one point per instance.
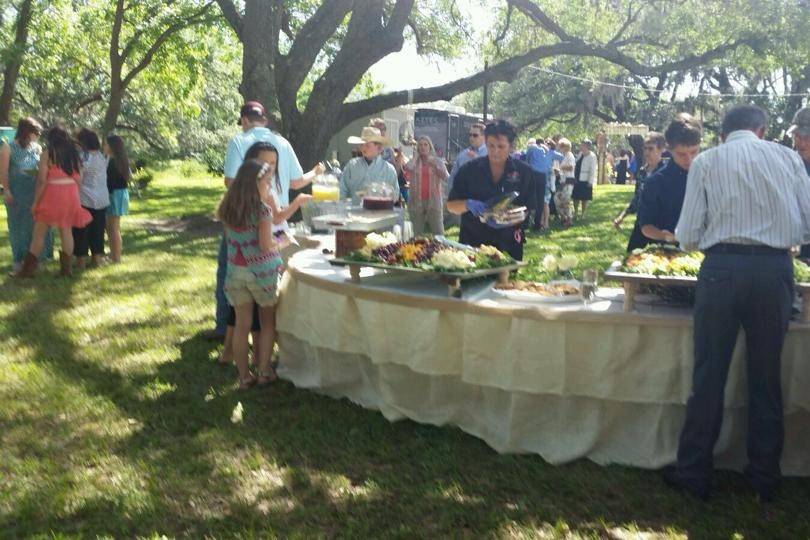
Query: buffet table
point(560, 380)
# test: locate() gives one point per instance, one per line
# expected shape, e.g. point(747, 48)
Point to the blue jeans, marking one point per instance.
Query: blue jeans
point(755, 292)
point(222, 302)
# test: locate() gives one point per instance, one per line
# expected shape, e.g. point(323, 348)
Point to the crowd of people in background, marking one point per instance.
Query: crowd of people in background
point(74, 184)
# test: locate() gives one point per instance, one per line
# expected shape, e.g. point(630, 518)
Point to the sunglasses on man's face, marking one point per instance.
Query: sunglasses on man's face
point(474, 134)
point(649, 148)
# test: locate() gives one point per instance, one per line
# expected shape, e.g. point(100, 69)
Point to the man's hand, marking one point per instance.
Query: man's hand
point(8, 197)
point(617, 224)
point(320, 168)
point(471, 153)
point(476, 208)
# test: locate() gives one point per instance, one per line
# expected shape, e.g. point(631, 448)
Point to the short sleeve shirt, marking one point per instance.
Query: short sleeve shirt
point(662, 197)
point(536, 158)
point(474, 181)
point(93, 192)
point(289, 168)
point(551, 157)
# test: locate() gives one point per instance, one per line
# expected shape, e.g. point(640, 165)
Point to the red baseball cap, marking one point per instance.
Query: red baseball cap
point(251, 108)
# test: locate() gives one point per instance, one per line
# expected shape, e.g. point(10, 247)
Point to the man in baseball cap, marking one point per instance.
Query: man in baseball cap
point(252, 110)
point(253, 120)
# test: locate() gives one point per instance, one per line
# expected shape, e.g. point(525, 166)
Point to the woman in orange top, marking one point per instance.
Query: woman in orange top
point(427, 174)
point(56, 200)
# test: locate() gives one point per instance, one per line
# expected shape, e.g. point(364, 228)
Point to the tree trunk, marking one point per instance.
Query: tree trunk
point(12, 70)
point(310, 134)
point(261, 26)
point(113, 109)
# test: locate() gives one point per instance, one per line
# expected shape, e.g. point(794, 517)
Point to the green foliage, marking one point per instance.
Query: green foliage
point(191, 168)
point(143, 177)
point(176, 106)
point(660, 32)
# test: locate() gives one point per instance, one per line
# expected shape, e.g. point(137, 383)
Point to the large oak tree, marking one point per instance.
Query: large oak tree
point(284, 41)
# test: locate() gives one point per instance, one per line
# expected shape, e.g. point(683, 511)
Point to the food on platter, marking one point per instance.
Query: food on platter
point(553, 292)
point(427, 254)
point(513, 215)
point(452, 259)
point(660, 260)
point(563, 288)
point(801, 271)
point(500, 210)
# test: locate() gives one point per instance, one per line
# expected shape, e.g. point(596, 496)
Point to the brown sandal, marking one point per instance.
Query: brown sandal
point(267, 377)
point(247, 384)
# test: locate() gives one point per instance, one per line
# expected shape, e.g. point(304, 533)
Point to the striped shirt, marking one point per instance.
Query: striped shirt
point(746, 191)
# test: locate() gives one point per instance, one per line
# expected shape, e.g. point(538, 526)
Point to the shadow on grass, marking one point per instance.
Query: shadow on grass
point(399, 478)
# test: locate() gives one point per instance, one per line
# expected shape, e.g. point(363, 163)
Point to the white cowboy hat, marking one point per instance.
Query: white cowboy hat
point(369, 134)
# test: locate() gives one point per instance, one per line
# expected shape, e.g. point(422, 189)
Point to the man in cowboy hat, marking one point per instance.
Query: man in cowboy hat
point(370, 167)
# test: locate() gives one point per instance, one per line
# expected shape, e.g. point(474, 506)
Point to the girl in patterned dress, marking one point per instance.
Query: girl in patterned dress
point(247, 212)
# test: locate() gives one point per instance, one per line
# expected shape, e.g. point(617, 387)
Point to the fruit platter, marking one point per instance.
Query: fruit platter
point(430, 256)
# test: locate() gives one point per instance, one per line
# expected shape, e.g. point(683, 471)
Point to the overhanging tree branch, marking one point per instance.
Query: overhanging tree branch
point(310, 40)
point(142, 134)
point(231, 15)
point(630, 19)
point(536, 14)
point(87, 101)
point(164, 36)
point(503, 71)
point(612, 53)
point(356, 54)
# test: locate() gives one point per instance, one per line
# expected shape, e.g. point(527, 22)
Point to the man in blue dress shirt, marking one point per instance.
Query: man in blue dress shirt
point(663, 194)
point(536, 157)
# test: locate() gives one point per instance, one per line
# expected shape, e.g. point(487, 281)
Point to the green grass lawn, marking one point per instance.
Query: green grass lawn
point(115, 420)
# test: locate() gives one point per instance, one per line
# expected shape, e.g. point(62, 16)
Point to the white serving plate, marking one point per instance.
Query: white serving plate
point(526, 296)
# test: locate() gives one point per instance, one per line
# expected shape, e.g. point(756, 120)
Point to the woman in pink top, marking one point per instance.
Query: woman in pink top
point(427, 175)
point(56, 201)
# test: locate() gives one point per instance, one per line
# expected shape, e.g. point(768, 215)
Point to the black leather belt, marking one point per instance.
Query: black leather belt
point(744, 249)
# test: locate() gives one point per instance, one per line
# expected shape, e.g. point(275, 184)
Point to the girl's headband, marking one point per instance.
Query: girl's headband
point(265, 168)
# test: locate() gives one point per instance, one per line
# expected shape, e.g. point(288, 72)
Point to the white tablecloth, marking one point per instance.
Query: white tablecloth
point(559, 381)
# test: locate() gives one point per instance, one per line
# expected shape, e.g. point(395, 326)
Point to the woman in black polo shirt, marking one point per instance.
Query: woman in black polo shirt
point(486, 177)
